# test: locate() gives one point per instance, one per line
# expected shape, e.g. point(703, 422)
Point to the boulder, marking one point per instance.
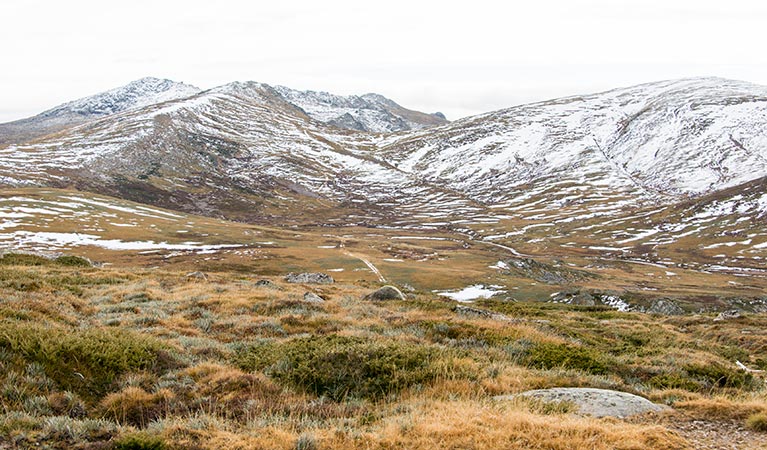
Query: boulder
point(665, 306)
point(594, 402)
point(310, 297)
point(484, 313)
point(727, 315)
point(386, 293)
point(197, 276)
point(266, 284)
point(309, 278)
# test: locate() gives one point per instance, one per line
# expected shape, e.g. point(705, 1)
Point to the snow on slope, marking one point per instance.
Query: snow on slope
point(134, 95)
point(369, 112)
point(137, 94)
point(551, 162)
point(240, 136)
point(683, 137)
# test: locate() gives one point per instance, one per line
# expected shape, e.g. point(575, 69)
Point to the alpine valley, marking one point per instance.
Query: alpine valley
point(653, 191)
point(257, 267)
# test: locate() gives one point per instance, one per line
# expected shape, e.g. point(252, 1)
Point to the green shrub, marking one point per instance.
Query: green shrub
point(256, 356)
point(717, 375)
point(88, 361)
point(72, 261)
point(674, 380)
point(757, 422)
point(546, 355)
point(451, 332)
point(341, 367)
point(23, 259)
point(139, 441)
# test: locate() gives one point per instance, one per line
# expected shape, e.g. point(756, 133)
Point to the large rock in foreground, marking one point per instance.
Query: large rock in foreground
point(309, 278)
point(594, 402)
point(386, 293)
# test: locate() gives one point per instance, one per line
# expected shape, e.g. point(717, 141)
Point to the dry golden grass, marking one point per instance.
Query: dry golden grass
point(478, 425)
point(205, 397)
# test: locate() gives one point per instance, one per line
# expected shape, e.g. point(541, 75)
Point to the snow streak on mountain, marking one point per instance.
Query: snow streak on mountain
point(253, 152)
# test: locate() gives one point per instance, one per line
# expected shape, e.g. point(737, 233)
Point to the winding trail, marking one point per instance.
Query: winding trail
point(370, 265)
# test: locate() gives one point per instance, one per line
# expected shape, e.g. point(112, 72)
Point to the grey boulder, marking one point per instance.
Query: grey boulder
point(309, 278)
point(386, 293)
point(594, 402)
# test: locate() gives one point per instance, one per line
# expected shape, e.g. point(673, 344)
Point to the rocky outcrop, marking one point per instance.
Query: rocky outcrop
point(728, 315)
point(266, 284)
point(309, 278)
point(666, 307)
point(310, 297)
point(546, 273)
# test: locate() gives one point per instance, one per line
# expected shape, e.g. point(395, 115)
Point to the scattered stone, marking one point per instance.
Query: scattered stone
point(575, 297)
point(665, 306)
point(477, 312)
point(311, 297)
point(546, 273)
point(386, 293)
point(594, 402)
point(197, 276)
point(727, 315)
point(266, 284)
point(309, 278)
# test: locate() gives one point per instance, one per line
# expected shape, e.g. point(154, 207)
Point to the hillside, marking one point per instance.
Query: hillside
point(137, 94)
point(161, 359)
point(157, 263)
point(243, 151)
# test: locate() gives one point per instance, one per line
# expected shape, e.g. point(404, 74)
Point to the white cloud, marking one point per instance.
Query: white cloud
point(460, 58)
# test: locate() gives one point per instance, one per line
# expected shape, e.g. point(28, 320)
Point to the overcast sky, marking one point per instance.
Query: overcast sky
point(460, 58)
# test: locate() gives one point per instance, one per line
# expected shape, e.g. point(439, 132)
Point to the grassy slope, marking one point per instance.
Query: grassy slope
point(426, 259)
point(142, 358)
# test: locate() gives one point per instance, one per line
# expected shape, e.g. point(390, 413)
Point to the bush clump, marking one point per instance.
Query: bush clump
point(84, 361)
point(134, 406)
point(717, 375)
point(547, 355)
point(339, 367)
point(757, 422)
point(674, 380)
point(29, 259)
point(139, 441)
point(72, 261)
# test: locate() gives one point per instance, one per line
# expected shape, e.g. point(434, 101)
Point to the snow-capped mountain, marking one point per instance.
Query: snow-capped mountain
point(137, 94)
point(369, 112)
point(671, 138)
point(253, 152)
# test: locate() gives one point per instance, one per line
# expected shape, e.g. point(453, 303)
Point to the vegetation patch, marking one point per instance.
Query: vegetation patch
point(29, 259)
point(757, 422)
point(548, 355)
point(85, 361)
point(139, 441)
point(339, 367)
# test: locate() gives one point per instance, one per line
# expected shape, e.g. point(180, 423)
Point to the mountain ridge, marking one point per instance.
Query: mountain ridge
point(245, 152)
point(136, 94)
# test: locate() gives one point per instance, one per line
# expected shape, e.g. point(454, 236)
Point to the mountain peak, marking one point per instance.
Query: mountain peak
point(368, 112)
point(136, 94)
